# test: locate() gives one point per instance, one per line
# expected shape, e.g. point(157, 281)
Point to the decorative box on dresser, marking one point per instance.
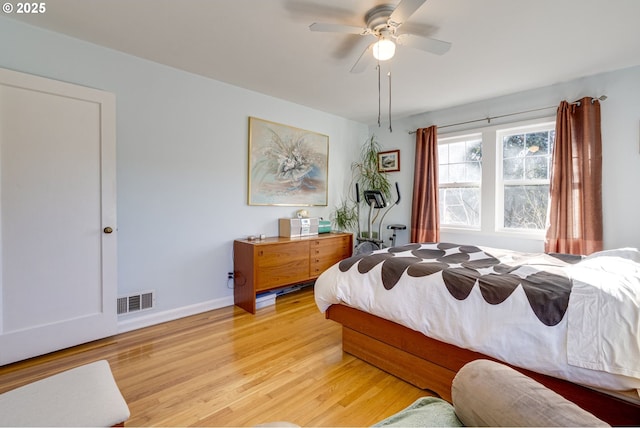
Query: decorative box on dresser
point(276, 262)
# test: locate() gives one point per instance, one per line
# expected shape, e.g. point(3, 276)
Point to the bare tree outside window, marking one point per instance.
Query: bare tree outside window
point(526, 166)
point(460, 175)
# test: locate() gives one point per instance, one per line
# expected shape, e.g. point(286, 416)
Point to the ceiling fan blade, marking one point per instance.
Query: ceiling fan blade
point(337, 28)
point(364, 61)
point(426, 44)
point(405, 9)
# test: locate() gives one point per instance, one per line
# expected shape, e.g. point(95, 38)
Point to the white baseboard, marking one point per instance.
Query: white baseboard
point(142, 321)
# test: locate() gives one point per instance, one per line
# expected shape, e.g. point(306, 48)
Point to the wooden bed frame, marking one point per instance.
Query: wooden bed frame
point(430, 364)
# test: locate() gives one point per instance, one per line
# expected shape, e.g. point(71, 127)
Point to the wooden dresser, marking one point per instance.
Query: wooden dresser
point(276, 262)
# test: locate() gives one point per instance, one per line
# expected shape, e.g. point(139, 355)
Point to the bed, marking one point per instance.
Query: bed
point(422, 311)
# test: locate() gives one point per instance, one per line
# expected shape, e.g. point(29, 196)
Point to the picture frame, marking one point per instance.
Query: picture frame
point(389, 161)
point(288, 166)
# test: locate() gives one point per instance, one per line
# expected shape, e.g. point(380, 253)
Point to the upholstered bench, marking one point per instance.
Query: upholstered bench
point(83, 396)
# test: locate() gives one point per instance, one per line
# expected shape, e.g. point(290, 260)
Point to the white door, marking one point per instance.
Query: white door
point(58, 281)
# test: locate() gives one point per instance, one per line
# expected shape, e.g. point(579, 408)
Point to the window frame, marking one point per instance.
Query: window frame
point(490, 209)
point(542, 126)
point(458, 138)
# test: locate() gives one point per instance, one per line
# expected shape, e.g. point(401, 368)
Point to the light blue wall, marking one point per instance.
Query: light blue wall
point(182, 143)
point(182, 161)
point(620, 140)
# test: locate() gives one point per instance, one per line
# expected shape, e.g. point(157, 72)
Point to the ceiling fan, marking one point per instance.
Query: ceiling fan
point(384, 22)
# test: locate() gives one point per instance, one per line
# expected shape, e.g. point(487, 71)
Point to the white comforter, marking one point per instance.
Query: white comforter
point(596, 343)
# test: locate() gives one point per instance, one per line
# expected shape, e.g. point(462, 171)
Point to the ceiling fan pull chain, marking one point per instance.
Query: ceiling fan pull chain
point(379, 104)
point(389, 74)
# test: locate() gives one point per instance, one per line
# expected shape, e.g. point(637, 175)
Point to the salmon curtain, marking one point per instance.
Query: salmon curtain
point(575, 211)
point(425, 217)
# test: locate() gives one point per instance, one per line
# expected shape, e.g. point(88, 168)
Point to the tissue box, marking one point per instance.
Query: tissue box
point(324, 226)
point(294, 227)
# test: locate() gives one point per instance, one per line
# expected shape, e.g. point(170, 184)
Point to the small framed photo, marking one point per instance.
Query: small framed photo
point(389, 161)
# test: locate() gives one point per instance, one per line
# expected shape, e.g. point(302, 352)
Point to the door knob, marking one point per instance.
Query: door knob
point(107, 230)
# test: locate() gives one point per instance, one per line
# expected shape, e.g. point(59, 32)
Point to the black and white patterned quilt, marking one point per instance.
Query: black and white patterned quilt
point(546, 286)
point(527, 309)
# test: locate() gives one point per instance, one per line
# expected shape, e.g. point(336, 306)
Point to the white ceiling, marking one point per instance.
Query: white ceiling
point(499, 46)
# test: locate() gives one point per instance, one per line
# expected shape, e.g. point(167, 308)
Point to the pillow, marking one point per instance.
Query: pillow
point(486, 393)
point(424, 412)
point(626, 253)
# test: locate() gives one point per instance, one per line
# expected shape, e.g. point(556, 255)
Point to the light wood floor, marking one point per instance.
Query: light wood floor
point(230, 368)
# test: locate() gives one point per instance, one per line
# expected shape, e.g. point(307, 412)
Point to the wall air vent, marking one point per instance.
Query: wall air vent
point(135, 302)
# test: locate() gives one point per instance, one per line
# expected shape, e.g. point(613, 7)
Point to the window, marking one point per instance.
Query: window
point(495, 179)
point(524, 161)
point(459, 176)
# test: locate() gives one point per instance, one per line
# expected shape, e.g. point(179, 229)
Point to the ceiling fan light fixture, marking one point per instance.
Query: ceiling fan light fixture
point(384, 49)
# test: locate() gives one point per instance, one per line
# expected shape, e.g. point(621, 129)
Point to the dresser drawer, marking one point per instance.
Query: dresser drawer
point(276, 255)
point(317, 265)
point(334, 245)
point(290, 272)
point(281, 264)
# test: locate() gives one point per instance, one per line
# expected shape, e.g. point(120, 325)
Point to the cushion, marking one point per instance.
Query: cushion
point(486, 393)
point(83, 396)
point(424, 412)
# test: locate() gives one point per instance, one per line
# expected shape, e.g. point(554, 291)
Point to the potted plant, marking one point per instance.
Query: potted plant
point(365, 173)
point(345, 216)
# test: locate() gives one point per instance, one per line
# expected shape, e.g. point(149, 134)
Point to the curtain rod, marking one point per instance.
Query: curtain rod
point(490, 118)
